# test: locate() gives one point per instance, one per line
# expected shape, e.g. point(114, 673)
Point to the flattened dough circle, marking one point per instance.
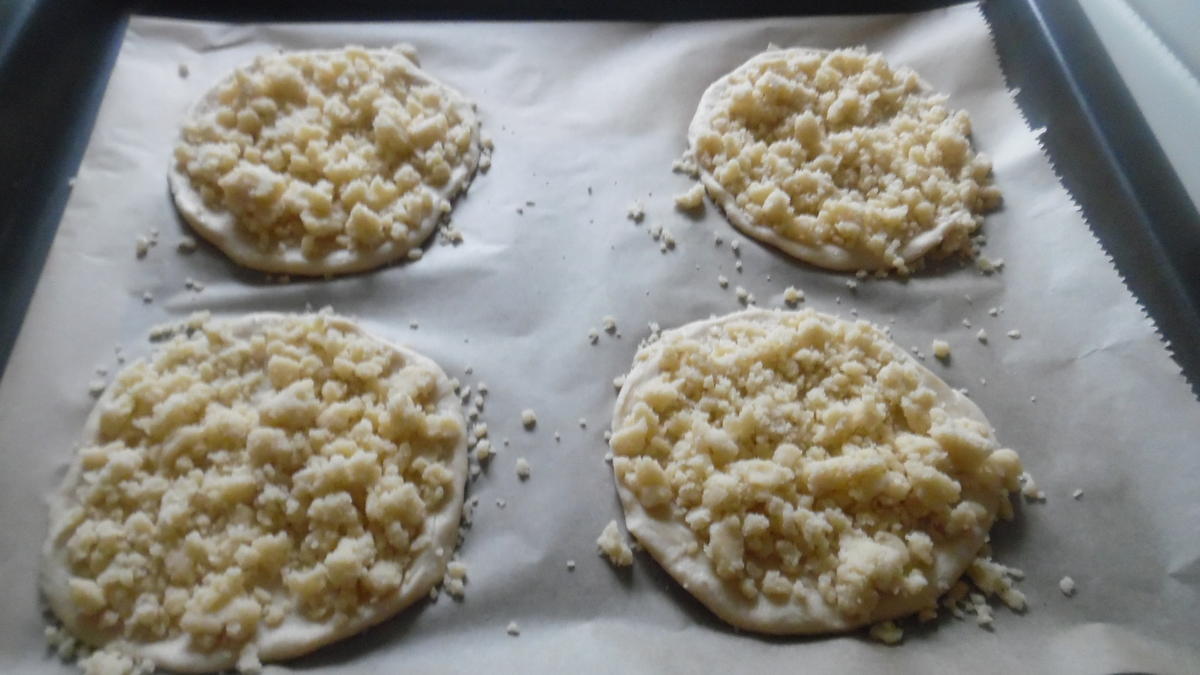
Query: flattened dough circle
point(946, 233)
point(296, 635)
point(668, 538)
point(220, 227)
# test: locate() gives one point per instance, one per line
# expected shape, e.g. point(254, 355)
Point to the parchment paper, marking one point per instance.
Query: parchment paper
point(605, 106)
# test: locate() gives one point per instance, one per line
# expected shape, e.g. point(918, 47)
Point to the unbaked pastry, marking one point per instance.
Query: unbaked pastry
point(257, 488)
point(798, 473)
point(840, 160)
point(324, 162)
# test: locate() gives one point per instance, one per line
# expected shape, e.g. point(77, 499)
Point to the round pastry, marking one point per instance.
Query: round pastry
point(324, 162)
point(257, 488)
point(840, 160)
point(798, 473)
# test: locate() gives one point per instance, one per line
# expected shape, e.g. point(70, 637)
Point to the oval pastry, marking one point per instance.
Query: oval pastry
point(798, 473)
point(324, 162)
point(840, 160)
point(255, 489)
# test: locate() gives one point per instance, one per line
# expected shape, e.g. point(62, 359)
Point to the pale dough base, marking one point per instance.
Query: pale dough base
point(667, 539)
point(827, 256)
point(220, 228)
point(295, 636)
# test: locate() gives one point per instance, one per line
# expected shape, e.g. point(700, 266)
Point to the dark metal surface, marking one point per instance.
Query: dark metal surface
point(1109, 160)
point(55, 57)
point(54, 64)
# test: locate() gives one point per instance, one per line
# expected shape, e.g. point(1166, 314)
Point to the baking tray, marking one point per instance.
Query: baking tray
point(24, 371)
point(57, 54)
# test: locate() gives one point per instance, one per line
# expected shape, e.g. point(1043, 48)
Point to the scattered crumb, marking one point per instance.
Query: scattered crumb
point(610, 324)
point(887, 632)
point(523, 468)
point(1077, 494)
point(570, 565)
point(483, 450)
point(141, 246)
point(593, 336)
point(414, 325)
point(735, 246)
point(455, 588)
point(183, 70)
point(528, 418)
point(737, 265)
point(852, 285)
point(1014, 334)
point(513, 629)
point(717, 240)
point(983, 614)
point(1067, 586)
point(582, 422)
point(988, 265)
point(742, 295)
point(618, 382)
point(96, 387)
point(636, 212)
point(613, 546)
point(941, 349)
point(722, 281)
point(993, 311)
point(966, 322)
point(1030, 489)
point(793, 295)
point(982, 336)
point(500, 503)
point(147, 297)
point(456, 569)
point(186, 245)
point(686, 165)
point(557, 437)
point(692, 200)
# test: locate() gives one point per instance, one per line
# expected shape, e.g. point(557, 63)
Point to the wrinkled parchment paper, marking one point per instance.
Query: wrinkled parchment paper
point(604, 106)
